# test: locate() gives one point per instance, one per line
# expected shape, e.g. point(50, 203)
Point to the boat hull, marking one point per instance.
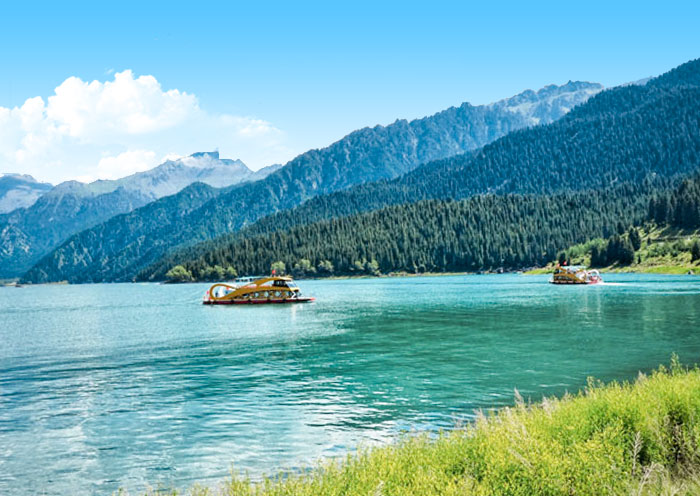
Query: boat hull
point(578, 283)
point(258, 301)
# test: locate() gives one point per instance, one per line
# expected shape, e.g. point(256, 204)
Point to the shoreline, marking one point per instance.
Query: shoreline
point(657, 269)
point(668, 270)
point(605, 439)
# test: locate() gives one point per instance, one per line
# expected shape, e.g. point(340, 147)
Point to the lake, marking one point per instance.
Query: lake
point(130, 385)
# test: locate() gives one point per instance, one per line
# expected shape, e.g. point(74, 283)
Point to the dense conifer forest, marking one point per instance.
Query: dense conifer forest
point(677, 211)
point(482, 232)
point(680, 208)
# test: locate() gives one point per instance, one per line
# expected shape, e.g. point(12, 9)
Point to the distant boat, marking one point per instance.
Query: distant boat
point(575, 274)
point(273, 289)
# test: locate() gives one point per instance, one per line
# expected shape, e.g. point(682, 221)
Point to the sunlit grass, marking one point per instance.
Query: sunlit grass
point(549, 269)
point(632, 438)
point(657, 269)
point(664, 250)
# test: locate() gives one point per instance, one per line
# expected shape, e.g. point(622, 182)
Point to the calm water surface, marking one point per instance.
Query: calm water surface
point(108, 386)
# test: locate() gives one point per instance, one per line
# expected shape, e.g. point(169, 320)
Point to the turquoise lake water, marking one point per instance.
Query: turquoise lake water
point(130, 385)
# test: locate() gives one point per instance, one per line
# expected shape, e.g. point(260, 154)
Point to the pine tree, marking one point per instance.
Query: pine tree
point(635, 238)
point(695, 251)
point(626, 252)
point(597, 259)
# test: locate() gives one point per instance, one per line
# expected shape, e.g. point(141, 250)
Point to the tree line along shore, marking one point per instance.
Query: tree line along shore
point(628, 228)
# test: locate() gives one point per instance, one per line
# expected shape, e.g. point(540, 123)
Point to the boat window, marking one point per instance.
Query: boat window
point(221, 291)
point(256, 295)
point(277, 293)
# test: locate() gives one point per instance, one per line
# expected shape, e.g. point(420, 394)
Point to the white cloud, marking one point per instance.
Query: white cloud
point(126, 105)
point(92, 130)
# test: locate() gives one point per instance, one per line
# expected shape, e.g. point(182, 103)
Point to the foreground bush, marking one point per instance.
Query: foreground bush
point(639, 438)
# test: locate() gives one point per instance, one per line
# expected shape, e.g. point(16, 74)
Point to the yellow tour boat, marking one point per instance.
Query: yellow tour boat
point(273, 289)
point(575, 274)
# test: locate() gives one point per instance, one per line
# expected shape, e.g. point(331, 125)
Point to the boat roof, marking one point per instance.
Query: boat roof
point(255, 278)
point(264, 279)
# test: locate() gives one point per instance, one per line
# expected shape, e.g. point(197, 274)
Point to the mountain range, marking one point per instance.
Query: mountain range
point(632, 134)
point(637, 136)
point(118, 248)
point(631, 140)
point(19, 191)
point(28, 233)
point(170, 177)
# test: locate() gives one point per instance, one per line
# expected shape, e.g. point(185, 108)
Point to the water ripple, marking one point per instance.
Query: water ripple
point(109, 386)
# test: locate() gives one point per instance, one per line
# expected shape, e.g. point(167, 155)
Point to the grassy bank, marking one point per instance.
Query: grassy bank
point(633, 438)
point(642, 268)
point(662, 250)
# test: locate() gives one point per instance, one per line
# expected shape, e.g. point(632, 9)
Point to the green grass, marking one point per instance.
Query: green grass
point(659, 268)
point(540, 270)
point(637, 438)
point(664, 250)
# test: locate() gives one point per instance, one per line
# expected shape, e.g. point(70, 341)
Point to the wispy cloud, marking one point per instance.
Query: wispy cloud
point(91, 130)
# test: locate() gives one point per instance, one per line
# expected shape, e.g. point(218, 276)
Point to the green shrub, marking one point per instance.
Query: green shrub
point(179, 274)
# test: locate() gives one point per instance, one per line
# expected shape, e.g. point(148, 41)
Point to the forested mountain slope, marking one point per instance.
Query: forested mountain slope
point(117, 249)
point(680, 208)
point(27, 234)
point(667, 241)
point(482, 232)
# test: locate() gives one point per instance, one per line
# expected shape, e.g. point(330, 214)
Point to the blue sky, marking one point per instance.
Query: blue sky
point(314, 71)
